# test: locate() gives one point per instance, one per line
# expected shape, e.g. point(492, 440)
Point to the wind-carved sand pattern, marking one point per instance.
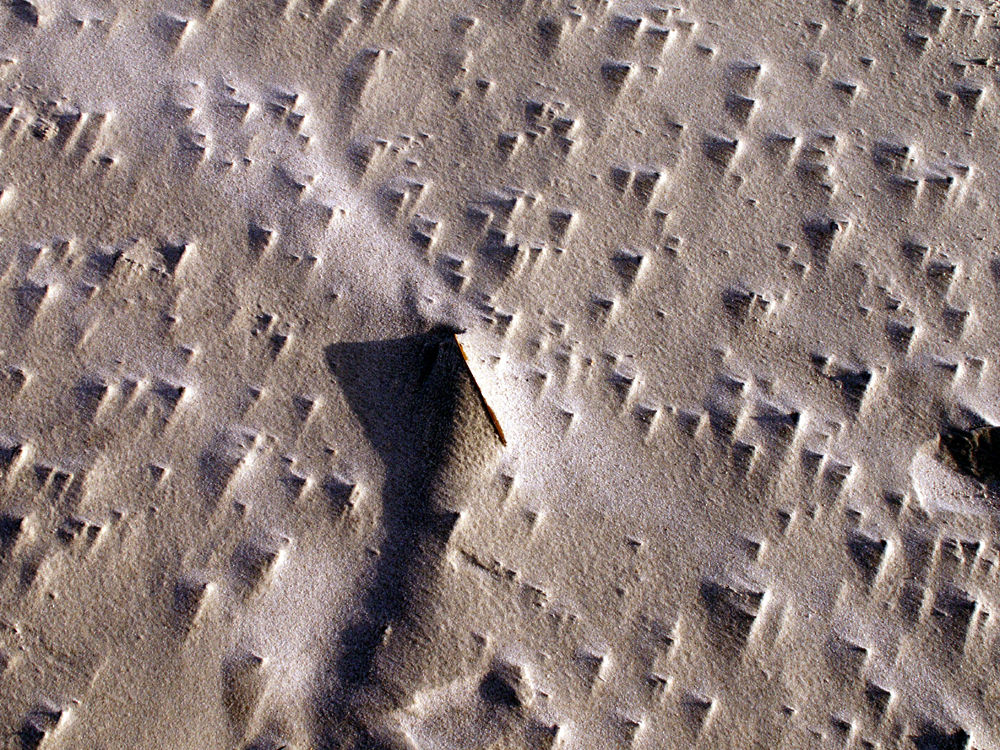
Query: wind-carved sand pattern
point(727, 274)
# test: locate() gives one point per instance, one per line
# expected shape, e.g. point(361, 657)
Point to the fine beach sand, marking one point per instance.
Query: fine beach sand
point(726, 274)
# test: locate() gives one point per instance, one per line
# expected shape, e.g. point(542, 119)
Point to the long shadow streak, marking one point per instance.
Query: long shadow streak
point(405, 392)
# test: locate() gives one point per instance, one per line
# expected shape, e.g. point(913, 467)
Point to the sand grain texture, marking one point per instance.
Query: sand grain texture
point(726, 273)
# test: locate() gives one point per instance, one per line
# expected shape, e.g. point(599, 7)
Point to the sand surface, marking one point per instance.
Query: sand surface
point(726, 273)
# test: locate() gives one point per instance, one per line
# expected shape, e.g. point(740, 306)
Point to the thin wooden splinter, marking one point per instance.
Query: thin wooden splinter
point(482, 398)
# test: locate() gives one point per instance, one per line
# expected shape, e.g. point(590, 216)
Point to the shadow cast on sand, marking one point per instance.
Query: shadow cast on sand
point(412, 397)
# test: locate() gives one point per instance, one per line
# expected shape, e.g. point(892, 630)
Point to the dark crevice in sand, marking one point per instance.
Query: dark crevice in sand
point(974, 452)
point(936, 739)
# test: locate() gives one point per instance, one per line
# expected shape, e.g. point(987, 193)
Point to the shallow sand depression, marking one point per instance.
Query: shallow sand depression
point(410, 374)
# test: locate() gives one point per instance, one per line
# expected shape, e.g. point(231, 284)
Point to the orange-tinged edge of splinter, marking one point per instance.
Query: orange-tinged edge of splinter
point(482, 398)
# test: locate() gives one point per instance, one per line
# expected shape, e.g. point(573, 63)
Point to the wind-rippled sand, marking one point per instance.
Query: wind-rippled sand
point(725, 273)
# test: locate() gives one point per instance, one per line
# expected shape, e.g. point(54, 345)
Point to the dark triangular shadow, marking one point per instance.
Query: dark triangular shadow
point(383, 382)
